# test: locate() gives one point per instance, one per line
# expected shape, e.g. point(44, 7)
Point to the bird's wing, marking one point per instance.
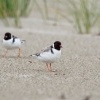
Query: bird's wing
point(14, 37)
point(47, 49)
point(50, 48)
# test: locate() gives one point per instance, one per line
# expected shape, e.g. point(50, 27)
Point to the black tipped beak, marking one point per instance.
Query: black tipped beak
point(30, 55)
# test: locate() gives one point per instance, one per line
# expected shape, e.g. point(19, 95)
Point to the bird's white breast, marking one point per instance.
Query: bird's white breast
point(50, 57)
point(9, 44)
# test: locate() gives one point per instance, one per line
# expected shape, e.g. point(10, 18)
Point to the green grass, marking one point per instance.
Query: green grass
point(84, 14)
point(14, 9)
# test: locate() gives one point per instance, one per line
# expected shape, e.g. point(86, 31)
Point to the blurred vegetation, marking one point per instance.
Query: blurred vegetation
point(83, 14)
point(13, 9)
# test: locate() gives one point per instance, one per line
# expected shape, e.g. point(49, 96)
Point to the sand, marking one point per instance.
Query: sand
point(77, 72)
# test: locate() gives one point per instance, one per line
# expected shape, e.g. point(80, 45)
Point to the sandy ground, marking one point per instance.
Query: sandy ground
point(77, 75)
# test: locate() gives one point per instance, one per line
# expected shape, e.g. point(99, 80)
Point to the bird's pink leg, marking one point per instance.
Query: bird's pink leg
point(47, 66)
point(50, 69)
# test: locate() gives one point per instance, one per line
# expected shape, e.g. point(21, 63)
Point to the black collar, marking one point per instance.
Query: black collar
point(51, 49)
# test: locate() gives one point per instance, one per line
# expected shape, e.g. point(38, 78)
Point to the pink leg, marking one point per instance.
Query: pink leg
point(47, 66)
point(50, 67)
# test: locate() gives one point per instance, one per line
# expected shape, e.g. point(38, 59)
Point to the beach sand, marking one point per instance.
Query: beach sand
point(77, 72)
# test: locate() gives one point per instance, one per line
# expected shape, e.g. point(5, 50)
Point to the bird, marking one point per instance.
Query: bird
point(11, 42)
point(50, 54)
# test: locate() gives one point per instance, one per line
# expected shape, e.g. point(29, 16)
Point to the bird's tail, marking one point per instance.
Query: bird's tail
point(35, 55)
point(23, 41)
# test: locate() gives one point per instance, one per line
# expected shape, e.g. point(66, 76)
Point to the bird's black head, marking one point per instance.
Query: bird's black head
point(57, 45)
point(7, 36)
